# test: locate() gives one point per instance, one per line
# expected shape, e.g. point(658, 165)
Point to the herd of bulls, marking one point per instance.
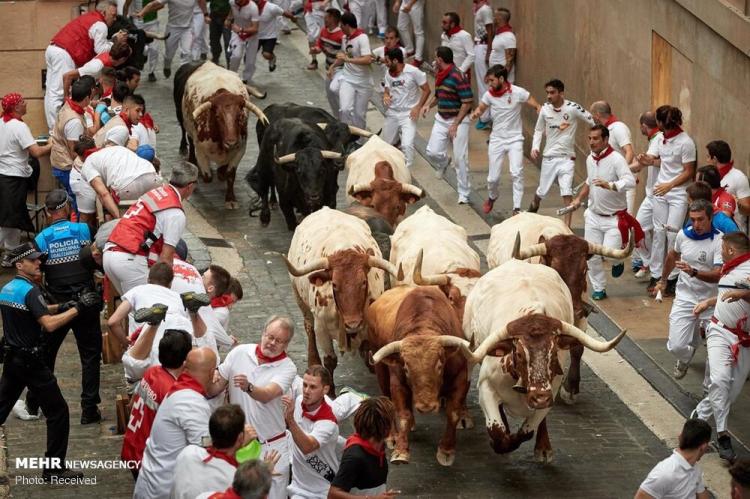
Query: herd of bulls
point(406, 293)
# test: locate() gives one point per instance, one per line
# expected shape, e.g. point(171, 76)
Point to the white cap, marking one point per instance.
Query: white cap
point(118, 135)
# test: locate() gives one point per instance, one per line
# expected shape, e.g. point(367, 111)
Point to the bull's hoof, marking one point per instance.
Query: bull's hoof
point(273, 204)
point(543, 456)
point(567, 397)
point(207, 177)
point(231, 205)
point(390, 442)
point(265, 217)
point(400, 457)
point(445, 457)
point(466, 422)
point(183, 151)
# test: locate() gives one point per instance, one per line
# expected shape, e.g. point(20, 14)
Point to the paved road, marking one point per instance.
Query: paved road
point(602, 449)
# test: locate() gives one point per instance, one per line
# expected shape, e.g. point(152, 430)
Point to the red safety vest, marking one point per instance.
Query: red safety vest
point(140, 220)
point(74, 37)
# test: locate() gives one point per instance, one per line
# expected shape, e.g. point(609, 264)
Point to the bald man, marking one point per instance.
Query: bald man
point(182, 420)
point(619, 138)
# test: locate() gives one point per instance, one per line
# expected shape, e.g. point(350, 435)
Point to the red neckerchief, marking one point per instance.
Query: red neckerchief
point(213, 452)
point(308, 7)
point(186, 382)
point(106, 59)
point(227, 494)
point(262, 359)
point(324, 413)
point(505, 29)
point(453, 30)
point(355, 439)
point(9, 116)
point(652, 133)
point(672, 133)
point(355, 34)
point(106, 92)
point(75, 107)
point(505, 89)
point(147, 120)
point(731, 264)
point(625, 222)
point(603, 155)
point(612, 118)
point(442, 75)
point(261, 5)
point(89, 152)
point(724, 169)
point(125, 118)
point(221, 301)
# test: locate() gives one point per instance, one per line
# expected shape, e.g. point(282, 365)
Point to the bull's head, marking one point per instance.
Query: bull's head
point(225, 115)
point(452, 292)
point(340, 135)
point(529, 346)
point(424, 359)
point(568, 255)
point(347, 271)
point(313, 169)
point(385, 194)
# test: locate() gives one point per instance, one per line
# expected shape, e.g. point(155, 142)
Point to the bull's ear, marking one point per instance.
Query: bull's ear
point(320, 277)
point(565, 342)
point(409, 198)
point(501, 349)
point(364, 197)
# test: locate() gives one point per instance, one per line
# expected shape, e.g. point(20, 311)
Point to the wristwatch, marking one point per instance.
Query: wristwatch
point(250, 388)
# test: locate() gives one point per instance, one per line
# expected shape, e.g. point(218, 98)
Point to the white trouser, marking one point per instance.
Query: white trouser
point(684, 329)
point(281, 471)
point(406, 20)
point(84, 193)
point(497, 151)
point(58, 63)
point(315, 22)
point(179, 38)
point(10, 237)
point(645, 217)
point(668, 210)
point(125, 271)
point(152, 49)
point(600, 230)
point(140, 186)
point(437, 151)
point(332, 93)
point(382, 15)
point(247, 49)
point(399, 121)
point(726, 377)
point(560, 168)
point(199, 45)
point(630, 198)
point(480, 70)
point(360, 10)
point(353, 101)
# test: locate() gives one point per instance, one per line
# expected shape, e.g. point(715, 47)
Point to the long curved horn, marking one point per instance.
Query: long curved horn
point(200, 109)
point(412, 189)
point(255, 92)
point(357, 188)
point(588, 341)
point(257, 111)
point(539, 249)
point(432, 280)
point(490, 341)
point(330, 154)
point(460, 343)
point(287, 158)
point(359, 131)
point(319, 264)
point(389, 349)
point(383, 264)
point(617, 254)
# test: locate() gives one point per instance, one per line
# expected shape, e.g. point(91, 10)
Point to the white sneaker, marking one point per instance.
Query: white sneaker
point(20, 411)
point(642, 272)
point(680, 369)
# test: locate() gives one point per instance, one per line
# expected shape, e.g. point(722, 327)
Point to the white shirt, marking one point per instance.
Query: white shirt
point(145, 136)
point(501, 42)
point(117, 167)
point(462, 45)
point(506, 113)
point(380, 70)
point(619, 136)
point(735, 183)
point(245, 15)
point(674, 478)
point(703, 255)
point(269, 26)
point(482, 17)
point(653, 171)
point(99, 33)
point(357, 74)
point(92, 68)
point(182, 419)
point(222, 314)
point(731, 313)
point(673, 152)
point(559, 125)
point(15, 139)
point(73, 129)
point(312, 473)
point(611, 168)
point(194, 476)
point(405, 88)
point(268, 418)
point(180, 12)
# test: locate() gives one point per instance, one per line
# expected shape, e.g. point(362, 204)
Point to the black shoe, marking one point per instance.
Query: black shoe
point(272, 64)
point(66, 474)
point(151, 77)
point(153, 314)
point(91, 416)
point(726, 452)
point(671, 288)
point(194, 301)
point(167, 72)
point(534, 206)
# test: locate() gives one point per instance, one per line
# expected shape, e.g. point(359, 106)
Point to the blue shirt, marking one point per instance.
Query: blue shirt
point(21, 304)
point(721, 222)
point(62, 242)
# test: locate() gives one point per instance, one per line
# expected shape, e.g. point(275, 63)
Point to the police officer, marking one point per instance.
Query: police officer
point(25, 315)
point(65, 280)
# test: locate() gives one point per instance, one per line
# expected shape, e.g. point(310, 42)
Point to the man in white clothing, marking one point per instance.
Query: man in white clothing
point(504, 102)
point(484, 31)
point(733, 180)
point(406, 91)
point(459, 41)
point(503, 46)
point(257, 375)
point(356, 79)
point(245, 22)
point(608, 178)
point(619, 138)
point(558, 120)
point(314, 20)
point(411, 15)
point(182, 420)
point(268, 29)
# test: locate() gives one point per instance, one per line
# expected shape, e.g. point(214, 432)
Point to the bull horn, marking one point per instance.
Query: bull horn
point(322, 126)
point(319, 264)
point(588, 341)
point(359, 131)
point(357, 188)
point(389, 349)
point(412, 189)
point(287, 158)
point(200, 109)
point(431, 280)
point(330, 154)
point(617, 254)
point(383, 264)
point(255, 92)
point(257, 111)
point(454, 341)
point(532, 251)
point(155, 36)
point(490, 341)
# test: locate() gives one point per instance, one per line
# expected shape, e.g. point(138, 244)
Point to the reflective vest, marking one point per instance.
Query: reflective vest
point(135, 232)
point(74, 37)
point(62, 242)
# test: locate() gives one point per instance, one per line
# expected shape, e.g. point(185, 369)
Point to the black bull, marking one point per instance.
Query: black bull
point(306, 183)
point(137, 39)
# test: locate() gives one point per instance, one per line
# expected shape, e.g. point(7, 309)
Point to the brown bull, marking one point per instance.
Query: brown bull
point(418, 363)
point(385, 194)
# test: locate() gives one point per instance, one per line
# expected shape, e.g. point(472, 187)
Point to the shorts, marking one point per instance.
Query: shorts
point(267, 45)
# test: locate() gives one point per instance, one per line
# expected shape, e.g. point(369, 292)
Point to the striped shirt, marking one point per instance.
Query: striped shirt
point(330, 43)
point(453, 92)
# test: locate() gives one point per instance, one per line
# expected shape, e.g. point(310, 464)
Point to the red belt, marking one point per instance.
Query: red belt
point(277, 437)
point(742, 335)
